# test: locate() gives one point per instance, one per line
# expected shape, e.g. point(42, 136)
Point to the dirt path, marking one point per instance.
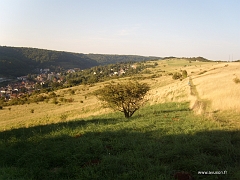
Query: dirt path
point(198, 105)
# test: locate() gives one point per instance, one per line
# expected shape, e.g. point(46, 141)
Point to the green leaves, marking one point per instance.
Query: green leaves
point(126, 97)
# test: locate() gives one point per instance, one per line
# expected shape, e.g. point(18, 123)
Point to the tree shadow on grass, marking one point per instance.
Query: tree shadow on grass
point(171, 107)
point(45, 129)
point(55, 152)
point(174, 110)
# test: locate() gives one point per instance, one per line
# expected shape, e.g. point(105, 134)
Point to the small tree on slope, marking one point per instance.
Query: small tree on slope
point(126, 97)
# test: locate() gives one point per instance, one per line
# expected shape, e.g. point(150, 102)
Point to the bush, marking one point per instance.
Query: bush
point(70, 100)
point(61, 99)
point(236, 80)
point(177, 75)
point(52, 95)
point(55, 101)
point(32, 111)
point(1, 107)
point(184, 73)
point(71, 91)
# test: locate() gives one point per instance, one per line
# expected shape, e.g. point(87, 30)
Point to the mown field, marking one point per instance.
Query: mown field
point(181, 128)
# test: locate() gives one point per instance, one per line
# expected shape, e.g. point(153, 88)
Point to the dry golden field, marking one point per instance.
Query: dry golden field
point(217, 85)
point(211, 82)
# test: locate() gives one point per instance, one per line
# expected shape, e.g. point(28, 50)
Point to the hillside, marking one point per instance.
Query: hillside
point(112, 59)
point(204, 80)
point(183, 128)
point(17, 61)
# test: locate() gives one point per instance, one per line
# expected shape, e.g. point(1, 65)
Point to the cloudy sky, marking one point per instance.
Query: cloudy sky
point(182, 28)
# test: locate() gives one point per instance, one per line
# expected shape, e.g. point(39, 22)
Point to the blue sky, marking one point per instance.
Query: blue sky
point(182, 28)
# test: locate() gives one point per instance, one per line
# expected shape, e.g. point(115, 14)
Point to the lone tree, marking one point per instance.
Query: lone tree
point(126, 97)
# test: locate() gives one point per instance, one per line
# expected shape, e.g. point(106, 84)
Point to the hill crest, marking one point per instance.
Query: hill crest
point(17, 61)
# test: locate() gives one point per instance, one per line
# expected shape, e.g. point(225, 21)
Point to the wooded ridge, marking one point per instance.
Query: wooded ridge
point(18, 61)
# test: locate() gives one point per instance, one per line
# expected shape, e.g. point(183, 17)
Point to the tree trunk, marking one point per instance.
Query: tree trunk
point(127, 115)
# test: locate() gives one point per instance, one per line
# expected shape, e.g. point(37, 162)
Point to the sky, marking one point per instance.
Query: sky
point(180, 28)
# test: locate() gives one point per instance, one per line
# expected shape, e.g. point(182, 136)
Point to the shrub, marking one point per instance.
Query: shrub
point(236, 80)
point(72, 92)
point(1, 107)
point(184, 73)
point(40, 98)
point(153, 76)
point(70, 100)
point(32, 111)
point(61, 99)
point(55, 101)
point(177, 75)
point(52, 95)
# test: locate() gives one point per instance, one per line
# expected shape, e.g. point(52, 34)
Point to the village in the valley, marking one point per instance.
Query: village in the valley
point(27, 84)
point(44, 79)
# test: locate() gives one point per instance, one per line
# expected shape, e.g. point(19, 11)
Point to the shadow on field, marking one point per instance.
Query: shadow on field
point(59, 151)
point(174, 110)
point(42, 129)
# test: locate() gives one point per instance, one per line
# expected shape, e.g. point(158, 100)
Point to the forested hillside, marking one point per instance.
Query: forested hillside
point(21, 61)
point(17, 61)
point(112, 59)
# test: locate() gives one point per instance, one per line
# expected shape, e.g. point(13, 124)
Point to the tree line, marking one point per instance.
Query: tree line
point(19, 61)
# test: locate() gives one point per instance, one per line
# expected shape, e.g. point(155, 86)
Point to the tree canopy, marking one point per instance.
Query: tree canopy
point(126, 97)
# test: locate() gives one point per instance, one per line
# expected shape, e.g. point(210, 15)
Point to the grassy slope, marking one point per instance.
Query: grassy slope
point(156, 142)
point(55, 141)
point(163, 89)
point(218, 82)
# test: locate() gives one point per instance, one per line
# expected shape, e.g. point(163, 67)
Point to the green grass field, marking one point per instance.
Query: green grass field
point(156, 142)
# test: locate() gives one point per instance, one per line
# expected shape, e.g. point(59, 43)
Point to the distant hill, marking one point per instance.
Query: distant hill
point(112, 59)
point(17, 61)
point(200, 59)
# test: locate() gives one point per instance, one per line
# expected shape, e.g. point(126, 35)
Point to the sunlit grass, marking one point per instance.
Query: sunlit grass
point(218, 87)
